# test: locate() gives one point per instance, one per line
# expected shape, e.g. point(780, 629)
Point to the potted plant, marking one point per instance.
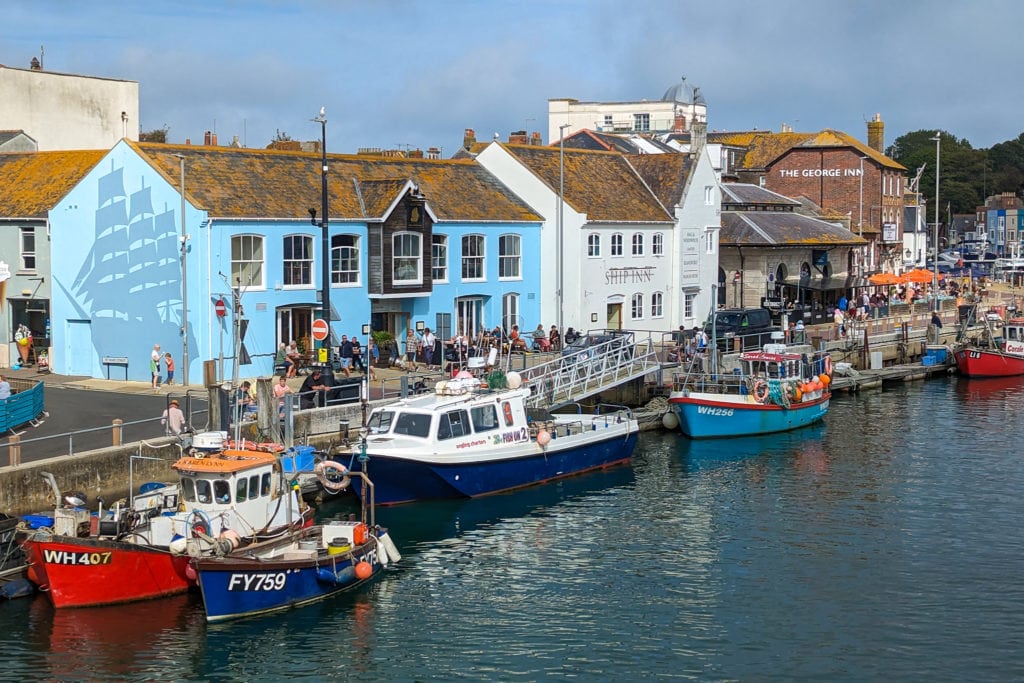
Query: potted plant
point(384, 341)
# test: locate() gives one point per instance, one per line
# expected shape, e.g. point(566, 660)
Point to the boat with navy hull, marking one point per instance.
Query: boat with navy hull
point(465, 440)
point(225, 497)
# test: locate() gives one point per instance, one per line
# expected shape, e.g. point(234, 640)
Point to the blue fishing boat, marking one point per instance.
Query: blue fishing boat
point(307, 566)
point(776, 390)
point(464, 440)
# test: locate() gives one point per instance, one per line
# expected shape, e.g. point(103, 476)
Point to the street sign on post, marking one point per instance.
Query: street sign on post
point(220, 308)
point(320, 329)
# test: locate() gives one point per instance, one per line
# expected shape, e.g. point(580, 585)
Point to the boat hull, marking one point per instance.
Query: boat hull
point(235, 587)
point(85, 572)
point(976, 362)
point(408, 478)
point(710, 416)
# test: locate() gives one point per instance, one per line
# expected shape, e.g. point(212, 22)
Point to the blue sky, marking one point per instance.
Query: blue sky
point(410, 73)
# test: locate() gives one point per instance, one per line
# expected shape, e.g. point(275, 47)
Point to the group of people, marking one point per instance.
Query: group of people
point(155, 360)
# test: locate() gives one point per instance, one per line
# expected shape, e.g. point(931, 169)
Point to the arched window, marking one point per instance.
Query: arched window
point(617, 244)
point(593, 245)
point(658, 244)
point(344, 259)
point(510, 257)
point(656, 305)
point(637, 307)
point(509, 310)
point(638, 244)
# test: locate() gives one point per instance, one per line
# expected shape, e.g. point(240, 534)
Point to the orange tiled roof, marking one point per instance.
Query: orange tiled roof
point(765, 148)
point(602, 185)
point(33, 182)
point(256, 183)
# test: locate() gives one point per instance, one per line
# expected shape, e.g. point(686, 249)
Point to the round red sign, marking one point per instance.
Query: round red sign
point(220, 308)
point(319, 329)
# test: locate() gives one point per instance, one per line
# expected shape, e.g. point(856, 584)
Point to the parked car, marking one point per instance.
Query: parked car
point(753, 326)
point(581, 350)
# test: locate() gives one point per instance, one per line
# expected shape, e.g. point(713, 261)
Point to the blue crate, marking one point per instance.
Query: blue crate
point(928, 360)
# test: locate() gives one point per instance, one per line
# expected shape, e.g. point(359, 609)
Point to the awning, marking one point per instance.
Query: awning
point(818, 284)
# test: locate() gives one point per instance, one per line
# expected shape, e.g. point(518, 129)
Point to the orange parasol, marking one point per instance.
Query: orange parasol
point(884, 279)
point(919, 276)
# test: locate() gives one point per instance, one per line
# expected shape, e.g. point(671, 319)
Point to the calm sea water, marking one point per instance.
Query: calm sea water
point(885, 544)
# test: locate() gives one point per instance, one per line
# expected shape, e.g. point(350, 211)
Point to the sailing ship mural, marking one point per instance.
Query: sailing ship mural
point(128, 285)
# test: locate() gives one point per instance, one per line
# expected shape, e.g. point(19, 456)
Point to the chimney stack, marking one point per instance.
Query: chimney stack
point(468, 139)
point(876, 134)
point(535, 139)
point(679, 123)
point(698, 138)
point(207, 136)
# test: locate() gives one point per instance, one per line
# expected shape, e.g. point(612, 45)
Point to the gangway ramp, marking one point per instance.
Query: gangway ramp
point(573, 377)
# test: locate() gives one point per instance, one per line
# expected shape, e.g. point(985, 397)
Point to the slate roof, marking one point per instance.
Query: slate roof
point(747, 194)
point(665, 174)
point(602, 185)
point(258, 183)
point(781, 229)
point(31, 183)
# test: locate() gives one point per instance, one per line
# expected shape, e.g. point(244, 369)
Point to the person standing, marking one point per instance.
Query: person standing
point(281, 389)
point(173, 419)
point(357, 355)
point(411, 342)
point(154, 366)
point(169, 361)
point(5, 388)
point(345, 354)
point(374, 354)
point(428, 347)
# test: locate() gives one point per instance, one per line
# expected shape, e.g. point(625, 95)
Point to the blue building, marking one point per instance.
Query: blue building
point(411, 242)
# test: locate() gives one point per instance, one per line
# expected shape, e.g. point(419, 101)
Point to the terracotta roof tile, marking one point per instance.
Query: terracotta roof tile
point(33, 182)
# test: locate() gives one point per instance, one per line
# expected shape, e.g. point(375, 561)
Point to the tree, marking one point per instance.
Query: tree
point(962, 172)
point(155, 135)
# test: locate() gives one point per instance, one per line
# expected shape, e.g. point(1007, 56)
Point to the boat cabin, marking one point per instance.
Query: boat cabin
point(442, 417)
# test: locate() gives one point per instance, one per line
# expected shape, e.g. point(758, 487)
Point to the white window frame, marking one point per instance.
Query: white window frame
point(594, 245)
point(407, 247)
point(297, 270)
point(28, 249)
point(475, 260)
point(636, 307)
point(248, 258)
point(642, 122)
point(638, 244)
point(345, 255)
point(509, 310)
point(689, 299)
point(657, 305)
point(709, 241)
point(658, 244)
point(439, 257)
point(709, 195)
point(616, 248)
point(507, 260)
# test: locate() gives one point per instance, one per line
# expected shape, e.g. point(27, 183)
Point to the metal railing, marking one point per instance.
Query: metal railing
point(572, 377)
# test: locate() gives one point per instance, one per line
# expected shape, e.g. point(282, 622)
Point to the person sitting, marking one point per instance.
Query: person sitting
point(313, 391)
point(517, 343)
point(244, 399)
point(281, 389)
point(540, 339)
point(294, 357)
point(571, 335)
point(555, 339)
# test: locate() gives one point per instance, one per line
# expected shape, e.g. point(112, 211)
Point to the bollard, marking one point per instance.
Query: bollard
point(343, 428)
point(15, 444)
point(117, 431)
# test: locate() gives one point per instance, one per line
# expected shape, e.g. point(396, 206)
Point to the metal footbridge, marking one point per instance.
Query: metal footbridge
point(572, 377)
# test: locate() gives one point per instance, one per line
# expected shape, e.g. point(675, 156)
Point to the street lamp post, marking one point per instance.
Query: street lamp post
point(560, 220)
point(184, 278)
point(935, 233)
point(325, 260)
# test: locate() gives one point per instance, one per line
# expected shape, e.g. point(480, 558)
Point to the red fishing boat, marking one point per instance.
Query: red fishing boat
point(225, 497)
point(995, 354)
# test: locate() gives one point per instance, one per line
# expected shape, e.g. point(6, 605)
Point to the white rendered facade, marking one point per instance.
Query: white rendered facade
point(622, 117)
point(67, 112)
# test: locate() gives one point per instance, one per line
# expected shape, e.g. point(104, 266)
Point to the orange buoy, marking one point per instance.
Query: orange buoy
point(798, 394)
point(825, 379)
point(543, 438)
point(363, 570)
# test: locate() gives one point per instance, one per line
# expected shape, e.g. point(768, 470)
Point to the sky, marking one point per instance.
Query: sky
point(408, 74)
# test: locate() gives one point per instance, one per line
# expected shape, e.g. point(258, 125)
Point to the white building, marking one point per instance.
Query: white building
point(679, 108)
point(67, 112)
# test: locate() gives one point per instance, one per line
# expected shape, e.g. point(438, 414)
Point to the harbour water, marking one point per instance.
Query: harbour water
point(884, 544)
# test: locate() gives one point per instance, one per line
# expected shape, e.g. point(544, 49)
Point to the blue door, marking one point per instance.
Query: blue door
point(79, 348)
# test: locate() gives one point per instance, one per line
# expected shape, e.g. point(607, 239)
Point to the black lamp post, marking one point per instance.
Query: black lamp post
point(325, 247)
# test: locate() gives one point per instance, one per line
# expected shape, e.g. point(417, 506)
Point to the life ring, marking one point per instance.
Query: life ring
point(828, 365)
point(760, 391)
point(332, 475)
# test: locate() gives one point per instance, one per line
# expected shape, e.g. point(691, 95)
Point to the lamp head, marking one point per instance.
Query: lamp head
point(312, 215)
